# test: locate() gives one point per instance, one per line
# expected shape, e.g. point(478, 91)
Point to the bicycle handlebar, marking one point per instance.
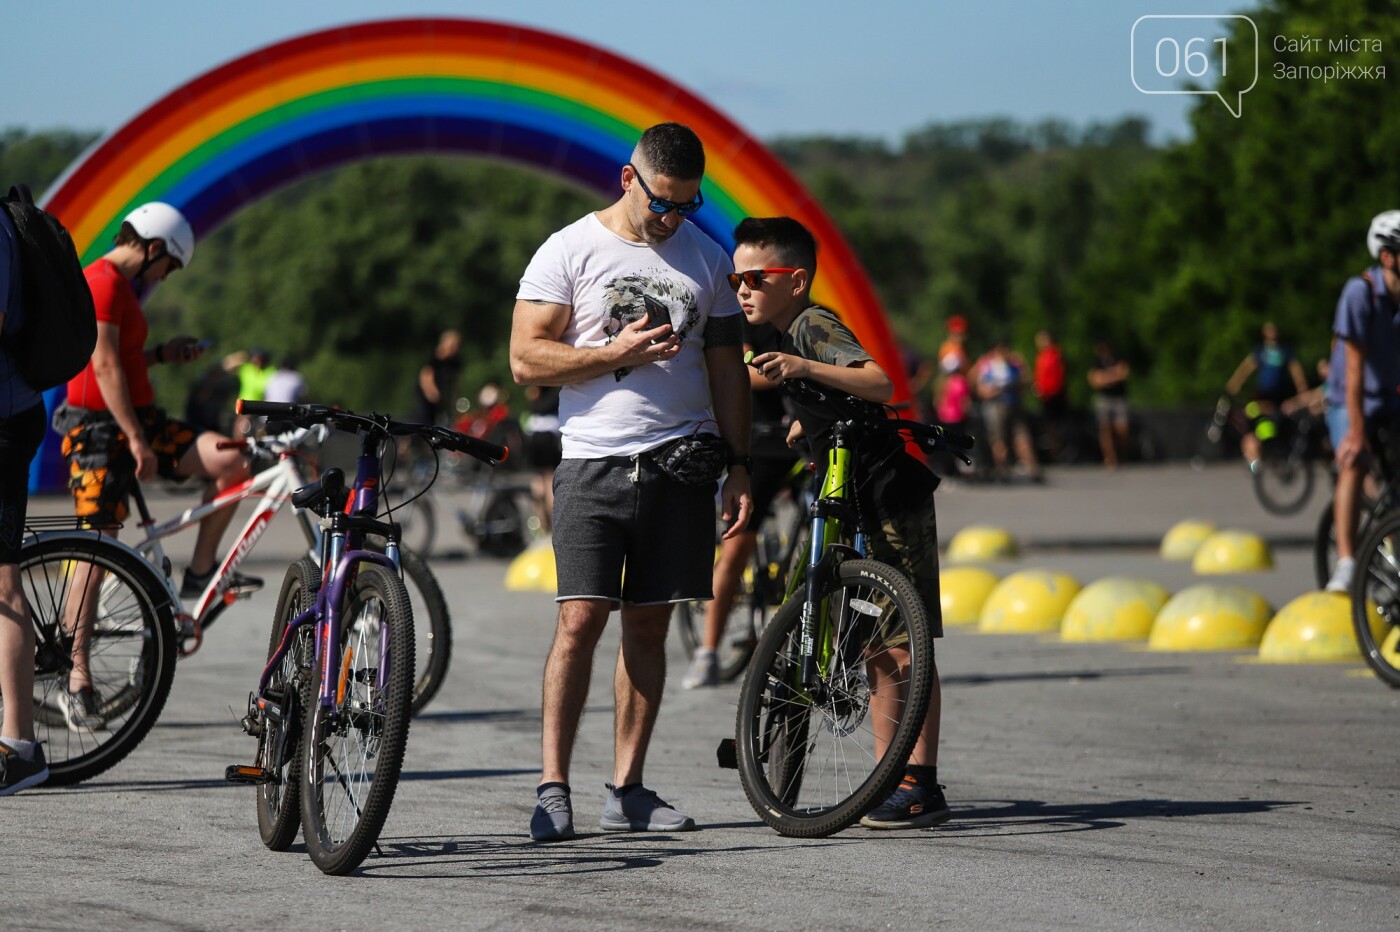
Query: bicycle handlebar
point(930, 437)
point(308, 415)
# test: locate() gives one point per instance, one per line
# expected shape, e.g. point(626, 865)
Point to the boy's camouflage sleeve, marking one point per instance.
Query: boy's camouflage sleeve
point(820, 335)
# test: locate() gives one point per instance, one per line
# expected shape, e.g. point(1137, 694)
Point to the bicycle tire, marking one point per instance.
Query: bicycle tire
point(279, 802)
point(418, 521)
point(1376, 584)
point(432, 628)
point(1325, 546)
point(131, 659)
point(1282, 483)
point(354, 752)
point(741, 629)
point(788, 771)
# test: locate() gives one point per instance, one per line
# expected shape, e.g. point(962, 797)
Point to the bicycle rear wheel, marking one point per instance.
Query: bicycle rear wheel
point(1282, 483)
point(748, 616)
point(432, 628)
point(813, 760)
point(1375, 599)
point(355, 746)
point(279, 745)
point(131, 655)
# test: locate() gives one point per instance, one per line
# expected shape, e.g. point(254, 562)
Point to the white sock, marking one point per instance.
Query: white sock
point(25, 749)
point(703, 652)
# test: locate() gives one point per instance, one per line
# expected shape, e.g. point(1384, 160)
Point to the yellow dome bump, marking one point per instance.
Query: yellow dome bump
point(1232, 552)
point(1113, 609)
point(1210, 617)
point(1028, 602)
point(962, 591)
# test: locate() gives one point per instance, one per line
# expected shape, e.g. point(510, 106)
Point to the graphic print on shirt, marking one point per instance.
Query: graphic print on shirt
point(625, 298)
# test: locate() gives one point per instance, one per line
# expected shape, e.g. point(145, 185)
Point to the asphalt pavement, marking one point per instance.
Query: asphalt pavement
point(1092, 786)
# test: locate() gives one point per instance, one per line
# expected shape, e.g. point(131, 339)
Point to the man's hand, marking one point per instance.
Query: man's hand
point(636, 346)
point(145, 458)
point(778, 367)
point(794, 433)
point(738, 504)
point(181, 349)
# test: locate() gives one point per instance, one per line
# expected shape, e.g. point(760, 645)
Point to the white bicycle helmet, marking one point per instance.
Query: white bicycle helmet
point(158, 220)
point(1385, 231)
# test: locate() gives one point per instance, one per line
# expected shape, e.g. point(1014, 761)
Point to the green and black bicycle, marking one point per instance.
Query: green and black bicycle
point(836, 693)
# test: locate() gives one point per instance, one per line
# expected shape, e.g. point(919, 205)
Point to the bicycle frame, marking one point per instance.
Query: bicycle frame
point(274, 486)
point(341, 555)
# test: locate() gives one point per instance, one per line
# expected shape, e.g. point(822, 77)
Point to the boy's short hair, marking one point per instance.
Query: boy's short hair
point(673, 150)
point(793, 242)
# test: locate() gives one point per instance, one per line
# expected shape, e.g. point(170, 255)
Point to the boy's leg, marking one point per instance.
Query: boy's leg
point(201, 457)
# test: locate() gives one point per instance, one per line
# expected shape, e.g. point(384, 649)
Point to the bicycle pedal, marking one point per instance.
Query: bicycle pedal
point(728, 755)
point(240, 773)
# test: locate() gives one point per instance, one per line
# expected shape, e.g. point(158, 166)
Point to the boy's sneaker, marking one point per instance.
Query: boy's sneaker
point(1341, 576)
point(17, 774)
point(554, 815)
point(635, 808)
point(193, 586)
point(911, 805)
point(81, 708)
point(704, 671)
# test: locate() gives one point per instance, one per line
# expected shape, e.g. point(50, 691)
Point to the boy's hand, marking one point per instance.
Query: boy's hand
point(794, 433)
point(635, 347)
point(778, 367)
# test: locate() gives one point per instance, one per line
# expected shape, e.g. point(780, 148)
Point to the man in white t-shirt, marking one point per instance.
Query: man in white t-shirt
point(628, 387)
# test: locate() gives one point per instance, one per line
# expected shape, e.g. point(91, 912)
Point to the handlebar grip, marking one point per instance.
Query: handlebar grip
point(269, 408)
point(481, 449)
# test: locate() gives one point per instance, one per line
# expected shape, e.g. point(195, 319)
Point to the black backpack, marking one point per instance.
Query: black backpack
point(60, 325)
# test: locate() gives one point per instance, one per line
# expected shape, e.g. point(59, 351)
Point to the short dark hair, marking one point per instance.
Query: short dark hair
point(672, 150)
point(792, 241)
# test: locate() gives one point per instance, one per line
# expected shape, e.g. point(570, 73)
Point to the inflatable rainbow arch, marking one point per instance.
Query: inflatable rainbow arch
point(282, 113)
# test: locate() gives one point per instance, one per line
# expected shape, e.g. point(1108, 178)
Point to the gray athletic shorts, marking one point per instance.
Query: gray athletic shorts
point(626, 532)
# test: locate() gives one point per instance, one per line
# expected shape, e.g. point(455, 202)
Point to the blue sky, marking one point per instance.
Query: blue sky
point(862, 67)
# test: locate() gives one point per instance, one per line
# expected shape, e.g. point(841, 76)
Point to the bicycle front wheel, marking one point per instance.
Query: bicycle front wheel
point(814, 758)
point(95, 590)
point(355, 743)
point(279, 745)
point(1375, 598)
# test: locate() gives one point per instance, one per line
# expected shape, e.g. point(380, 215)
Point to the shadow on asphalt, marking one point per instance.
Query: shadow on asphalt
point(498, 715)
point(1035, 817)
point(453, 857)
point(982, 679)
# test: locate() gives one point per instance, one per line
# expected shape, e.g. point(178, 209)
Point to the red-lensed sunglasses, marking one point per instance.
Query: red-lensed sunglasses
point(752, 277)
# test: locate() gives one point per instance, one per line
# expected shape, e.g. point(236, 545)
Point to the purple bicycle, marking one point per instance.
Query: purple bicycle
point(333, 703)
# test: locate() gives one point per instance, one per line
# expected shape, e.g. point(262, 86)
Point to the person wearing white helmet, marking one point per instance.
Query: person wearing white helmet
point(113, 431)
point(1364, 376)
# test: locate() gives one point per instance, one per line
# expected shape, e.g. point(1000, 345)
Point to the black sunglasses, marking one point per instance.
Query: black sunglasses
point(660, 205)
point(752, 277)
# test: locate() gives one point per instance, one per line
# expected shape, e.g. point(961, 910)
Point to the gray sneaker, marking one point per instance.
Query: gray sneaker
point(704, 671)
point(637, 809)
point(82, 709)
point(554, 815)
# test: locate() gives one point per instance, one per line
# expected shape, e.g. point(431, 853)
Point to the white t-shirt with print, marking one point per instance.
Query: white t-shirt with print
point(606, 280)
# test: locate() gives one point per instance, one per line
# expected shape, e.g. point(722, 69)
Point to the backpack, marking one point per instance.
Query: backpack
point(60, 324)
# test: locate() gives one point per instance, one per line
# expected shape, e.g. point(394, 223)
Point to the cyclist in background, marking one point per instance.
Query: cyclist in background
point(1280, 377)
point(114, 433)
point(775, 260)
point(773, 461)
point(1362, 380)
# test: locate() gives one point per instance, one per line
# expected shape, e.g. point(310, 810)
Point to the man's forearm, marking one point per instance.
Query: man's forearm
point(548, 362)
point(731, 396)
